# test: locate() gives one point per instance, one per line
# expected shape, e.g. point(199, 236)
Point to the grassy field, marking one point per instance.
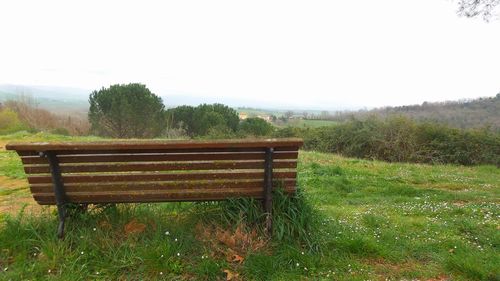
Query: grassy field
point(311, 123)
point(369, 221)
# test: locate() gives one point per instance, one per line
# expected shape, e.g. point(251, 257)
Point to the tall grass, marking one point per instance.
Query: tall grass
point(294, 220)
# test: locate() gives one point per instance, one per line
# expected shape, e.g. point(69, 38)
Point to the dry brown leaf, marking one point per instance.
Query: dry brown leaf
point(134, 227)
point(237, 258)
point(230, 275)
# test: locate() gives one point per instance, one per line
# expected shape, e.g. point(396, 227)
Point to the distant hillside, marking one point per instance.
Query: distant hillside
point(55, 99)
point(476, 113)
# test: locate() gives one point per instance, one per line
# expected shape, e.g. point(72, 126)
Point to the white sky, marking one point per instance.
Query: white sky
point(317, 54)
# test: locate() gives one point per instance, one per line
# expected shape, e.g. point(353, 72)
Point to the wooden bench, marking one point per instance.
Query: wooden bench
point(157, 171)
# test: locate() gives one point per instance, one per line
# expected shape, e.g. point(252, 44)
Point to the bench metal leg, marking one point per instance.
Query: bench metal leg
point(268, 188)
point(59, 193)
point(61, 211)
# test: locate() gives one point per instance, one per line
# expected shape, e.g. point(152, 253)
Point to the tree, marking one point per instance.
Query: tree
point(126, 111)
point(215, 119)
point(255, 127)
point(182, 118)
point(474, 8)
point(208, 116)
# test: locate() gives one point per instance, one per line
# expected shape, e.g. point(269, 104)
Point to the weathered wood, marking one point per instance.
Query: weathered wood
point(158, 171)
point(175, 166)
point(152, 157)
point(155, 145)
point(137, 150)
point(181, 185)
point(159, 177)
point(151, 196)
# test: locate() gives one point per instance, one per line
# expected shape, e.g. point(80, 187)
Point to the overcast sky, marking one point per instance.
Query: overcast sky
point(316, 54)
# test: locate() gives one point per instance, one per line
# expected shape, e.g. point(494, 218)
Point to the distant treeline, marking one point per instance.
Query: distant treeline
point(464, 114)
point(132, 111)
point(400, 139)
point(215, 121)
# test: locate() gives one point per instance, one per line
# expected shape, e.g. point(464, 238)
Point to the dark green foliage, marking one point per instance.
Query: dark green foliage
point(212, 120)
point(399, 139)
point(255, 127)
point(182, 117)
point(126, 111)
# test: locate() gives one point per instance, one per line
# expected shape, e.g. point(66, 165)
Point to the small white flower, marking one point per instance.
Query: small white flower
point(161, 273)
point(178, 254)
point(297, 264)
point(305, 268)
point(302, 252)
point(94, 229)
point(81, 253)
point(161, 256)
point(167, 233)
point(175, 239)
point(97, 273)
point(49, 271)
point(5, 269)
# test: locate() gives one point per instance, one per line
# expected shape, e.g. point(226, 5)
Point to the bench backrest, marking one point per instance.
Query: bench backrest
point(157, 171)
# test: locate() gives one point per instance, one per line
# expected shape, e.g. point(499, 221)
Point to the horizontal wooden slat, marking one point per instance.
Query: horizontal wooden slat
point(142, 157)
point(129, 167)
point(124, 187)
point(155, 144)
point(159, 177)
point(153, 196)
point(137, 150)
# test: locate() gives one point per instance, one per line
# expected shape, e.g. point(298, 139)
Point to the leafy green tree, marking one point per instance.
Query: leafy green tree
point(126, 111)
point(256, 127)
point(182, 118)
point(214, 119)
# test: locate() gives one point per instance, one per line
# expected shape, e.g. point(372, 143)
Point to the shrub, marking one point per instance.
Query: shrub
point(400, 139)
point(9, 122)
point(255, 127)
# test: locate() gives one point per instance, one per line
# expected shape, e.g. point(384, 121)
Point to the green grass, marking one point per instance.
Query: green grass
point(310, 123)
point(363, 220)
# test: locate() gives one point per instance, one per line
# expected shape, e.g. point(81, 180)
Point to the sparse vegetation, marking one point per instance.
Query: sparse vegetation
point(30, 117)
point(480, 113)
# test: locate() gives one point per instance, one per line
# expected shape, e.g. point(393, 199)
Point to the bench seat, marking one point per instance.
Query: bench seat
point(157, 171)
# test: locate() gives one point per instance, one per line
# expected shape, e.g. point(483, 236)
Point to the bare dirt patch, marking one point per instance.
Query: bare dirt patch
point(2, 145)
point(14, 195)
